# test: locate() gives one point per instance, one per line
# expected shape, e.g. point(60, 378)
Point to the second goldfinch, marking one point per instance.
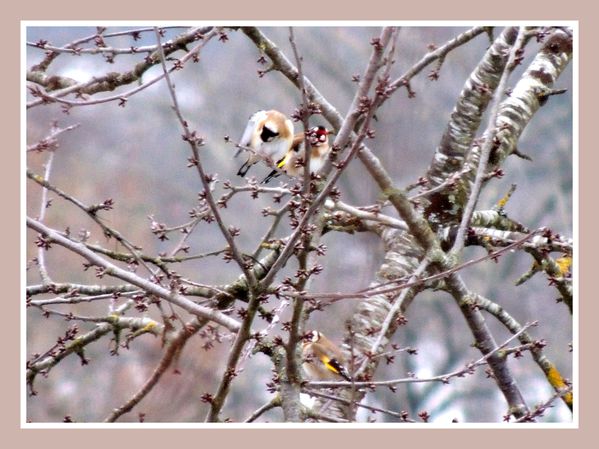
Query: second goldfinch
point(269, 135)
point(292, 164)
point(323, 360)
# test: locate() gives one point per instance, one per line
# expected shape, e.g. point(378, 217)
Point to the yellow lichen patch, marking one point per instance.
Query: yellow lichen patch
point(113, 319)
point(564, 264)
point(150, 327)
point(557, 381)
point(76, 342)
point(502, 202)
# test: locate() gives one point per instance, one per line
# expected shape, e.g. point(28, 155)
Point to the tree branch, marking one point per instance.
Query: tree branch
point(113, 270)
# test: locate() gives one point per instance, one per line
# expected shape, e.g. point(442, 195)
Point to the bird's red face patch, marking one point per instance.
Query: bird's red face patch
point(317, 135)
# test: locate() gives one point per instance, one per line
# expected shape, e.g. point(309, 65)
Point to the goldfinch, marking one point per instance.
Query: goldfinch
point(292, 163)
point(322, 359)
point(269, 134)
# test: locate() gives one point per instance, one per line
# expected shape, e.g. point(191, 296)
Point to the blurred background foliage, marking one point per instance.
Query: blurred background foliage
point(135, 155)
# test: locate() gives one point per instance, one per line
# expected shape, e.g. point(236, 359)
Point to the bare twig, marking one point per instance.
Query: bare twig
point(44, 204)
point(489, 133)
point(275, 402)
point(291, 396)
point(540, 409)
point(110, 81)
point(244, 329)
point(401, 415)
point(150, 287)
point(341, 139)
point(304, 111)
point(174, 348)
point(378, 289)
point(43, 363)
point(271, 230)
point(194, 143)
point(444, 378)
point(365, 215)
point(50, 142)
point(395, 309)
point(79, 299)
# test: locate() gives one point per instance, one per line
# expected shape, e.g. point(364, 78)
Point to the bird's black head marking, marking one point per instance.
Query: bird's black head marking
point(267, 134)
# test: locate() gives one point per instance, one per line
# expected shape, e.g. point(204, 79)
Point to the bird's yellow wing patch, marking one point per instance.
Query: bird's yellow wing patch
point(331, 364)
point(283, 161)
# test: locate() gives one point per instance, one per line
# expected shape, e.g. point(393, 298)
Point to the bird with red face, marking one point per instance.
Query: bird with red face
point(293, 162)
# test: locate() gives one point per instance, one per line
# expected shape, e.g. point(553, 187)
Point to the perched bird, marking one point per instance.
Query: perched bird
point(269, 134)
point(292, 164)
point(322, 359)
